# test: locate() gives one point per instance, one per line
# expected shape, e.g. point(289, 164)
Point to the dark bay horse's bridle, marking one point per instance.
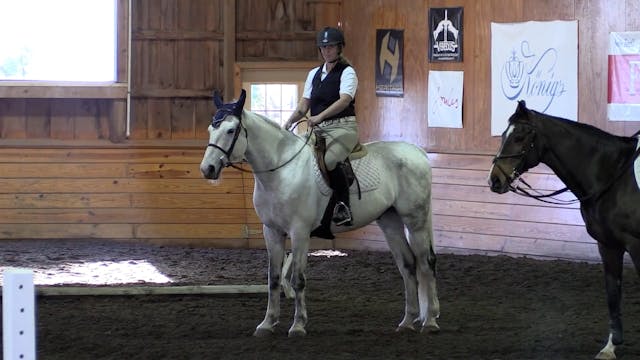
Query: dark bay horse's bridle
point(527, 192)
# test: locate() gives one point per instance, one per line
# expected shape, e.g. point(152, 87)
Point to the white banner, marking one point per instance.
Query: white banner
point(535, 61)
point(445, 99)
point(623, 100)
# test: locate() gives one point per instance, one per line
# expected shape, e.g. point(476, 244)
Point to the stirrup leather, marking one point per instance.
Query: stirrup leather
point(341, 214)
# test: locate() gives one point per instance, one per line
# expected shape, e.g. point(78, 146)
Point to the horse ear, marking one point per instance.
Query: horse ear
point(217, 99)
point(522, 107)
point(243, 96)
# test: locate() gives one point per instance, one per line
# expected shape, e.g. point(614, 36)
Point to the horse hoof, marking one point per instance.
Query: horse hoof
point(297, 333)
point(605, 355)
point(263, 333)
point(431, 328)
point(405, 329)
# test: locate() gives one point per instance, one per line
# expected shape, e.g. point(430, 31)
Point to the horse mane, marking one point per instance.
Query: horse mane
point(587, 128)
point(265, 119)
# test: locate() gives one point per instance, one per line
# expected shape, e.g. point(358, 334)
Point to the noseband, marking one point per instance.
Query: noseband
point(227, 153)
point(517, 170)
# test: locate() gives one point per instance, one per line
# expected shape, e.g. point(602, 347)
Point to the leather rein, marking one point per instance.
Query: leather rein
point(527, 192)
point(228, 152)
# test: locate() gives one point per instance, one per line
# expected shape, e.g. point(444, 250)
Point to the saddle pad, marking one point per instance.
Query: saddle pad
point(636, 165)
point(367, 173)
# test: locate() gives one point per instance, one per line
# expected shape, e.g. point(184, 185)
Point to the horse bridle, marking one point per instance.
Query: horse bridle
point(227, 153)
point(517, 171)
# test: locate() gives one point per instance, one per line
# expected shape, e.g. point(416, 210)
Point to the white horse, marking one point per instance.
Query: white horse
point(290, 197)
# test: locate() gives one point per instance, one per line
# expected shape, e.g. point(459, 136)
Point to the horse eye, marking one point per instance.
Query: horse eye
point(518, 138)
point(231, 131)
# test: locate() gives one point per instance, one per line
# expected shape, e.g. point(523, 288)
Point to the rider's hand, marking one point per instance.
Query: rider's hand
point(314, 120)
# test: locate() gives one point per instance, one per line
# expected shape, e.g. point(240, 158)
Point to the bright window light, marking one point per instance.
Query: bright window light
point(58, 40)
point(275, 101)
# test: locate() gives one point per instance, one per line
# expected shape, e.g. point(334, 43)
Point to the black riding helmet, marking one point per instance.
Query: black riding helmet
point(330, 36)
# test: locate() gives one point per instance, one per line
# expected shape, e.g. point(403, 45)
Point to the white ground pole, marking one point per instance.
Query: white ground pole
point(18, 315)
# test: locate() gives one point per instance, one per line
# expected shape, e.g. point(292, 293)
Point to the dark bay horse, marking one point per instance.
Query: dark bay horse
point(598, 168)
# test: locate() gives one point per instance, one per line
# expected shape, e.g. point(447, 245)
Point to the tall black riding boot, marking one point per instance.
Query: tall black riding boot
point(340, 185)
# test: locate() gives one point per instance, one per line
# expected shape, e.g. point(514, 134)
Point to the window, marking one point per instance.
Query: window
point(277, 101)
point(61, 40)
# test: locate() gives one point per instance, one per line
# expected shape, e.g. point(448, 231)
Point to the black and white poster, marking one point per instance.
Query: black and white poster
point(445, 40)
point(389, 69)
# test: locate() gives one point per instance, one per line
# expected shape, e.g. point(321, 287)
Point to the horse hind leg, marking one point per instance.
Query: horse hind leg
point(612, 259)
point(421, 242)
point(393, 230)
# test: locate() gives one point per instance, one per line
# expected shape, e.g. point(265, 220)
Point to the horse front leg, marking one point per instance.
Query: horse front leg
point(275, 248)
point(612, 261)
point(300, 249)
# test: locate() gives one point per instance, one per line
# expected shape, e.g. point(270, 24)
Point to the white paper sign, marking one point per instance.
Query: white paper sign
point(535, 61)
point(445, 99)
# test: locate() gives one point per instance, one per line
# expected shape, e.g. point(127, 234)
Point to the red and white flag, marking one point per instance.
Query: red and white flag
point(623, 100)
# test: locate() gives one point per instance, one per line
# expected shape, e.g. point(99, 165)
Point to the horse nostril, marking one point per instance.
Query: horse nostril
point(494, 182)
point(208, 171)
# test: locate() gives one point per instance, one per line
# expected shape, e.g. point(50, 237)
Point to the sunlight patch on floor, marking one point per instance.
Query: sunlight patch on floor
point(327, 253)
point(98, 273)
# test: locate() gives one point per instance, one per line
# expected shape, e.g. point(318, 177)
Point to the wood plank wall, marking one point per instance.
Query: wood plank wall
point(68, 171)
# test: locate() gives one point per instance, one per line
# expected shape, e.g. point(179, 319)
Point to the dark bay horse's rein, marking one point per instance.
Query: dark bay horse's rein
point(594, 195)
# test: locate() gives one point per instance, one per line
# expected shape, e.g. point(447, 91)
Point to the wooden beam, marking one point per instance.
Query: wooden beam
point(151, 290)
point(229, 51)
point(62, 90)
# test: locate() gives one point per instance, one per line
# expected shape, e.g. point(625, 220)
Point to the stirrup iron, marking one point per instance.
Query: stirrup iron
point(342, 214)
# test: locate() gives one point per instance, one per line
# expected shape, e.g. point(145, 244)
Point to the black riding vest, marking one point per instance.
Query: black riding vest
point(326, 92)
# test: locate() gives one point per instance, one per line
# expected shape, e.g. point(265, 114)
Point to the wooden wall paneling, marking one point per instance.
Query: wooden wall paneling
point(121, 216)
point(63, 201)
point(139, 127)
point(182, 119)
point(78, 185)
point(122, 41)
point(117, 120)
point(68, 231)
point(159, 119)
point(62, 122)
point(198, 15)
point(104, 119)
point(161, 14)
point(548, 10)
point(168, 155)
point(14, 123)
point(204, 111)
point(38, 119)
point(327, 13)
point(86, 120)
point(195, 64)
point(189, 201)
point(163, 171)
point(253, 15)
point(189, 231)
point(18, 170)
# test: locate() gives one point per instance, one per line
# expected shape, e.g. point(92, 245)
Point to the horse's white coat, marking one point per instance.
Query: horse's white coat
point(291, 201)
